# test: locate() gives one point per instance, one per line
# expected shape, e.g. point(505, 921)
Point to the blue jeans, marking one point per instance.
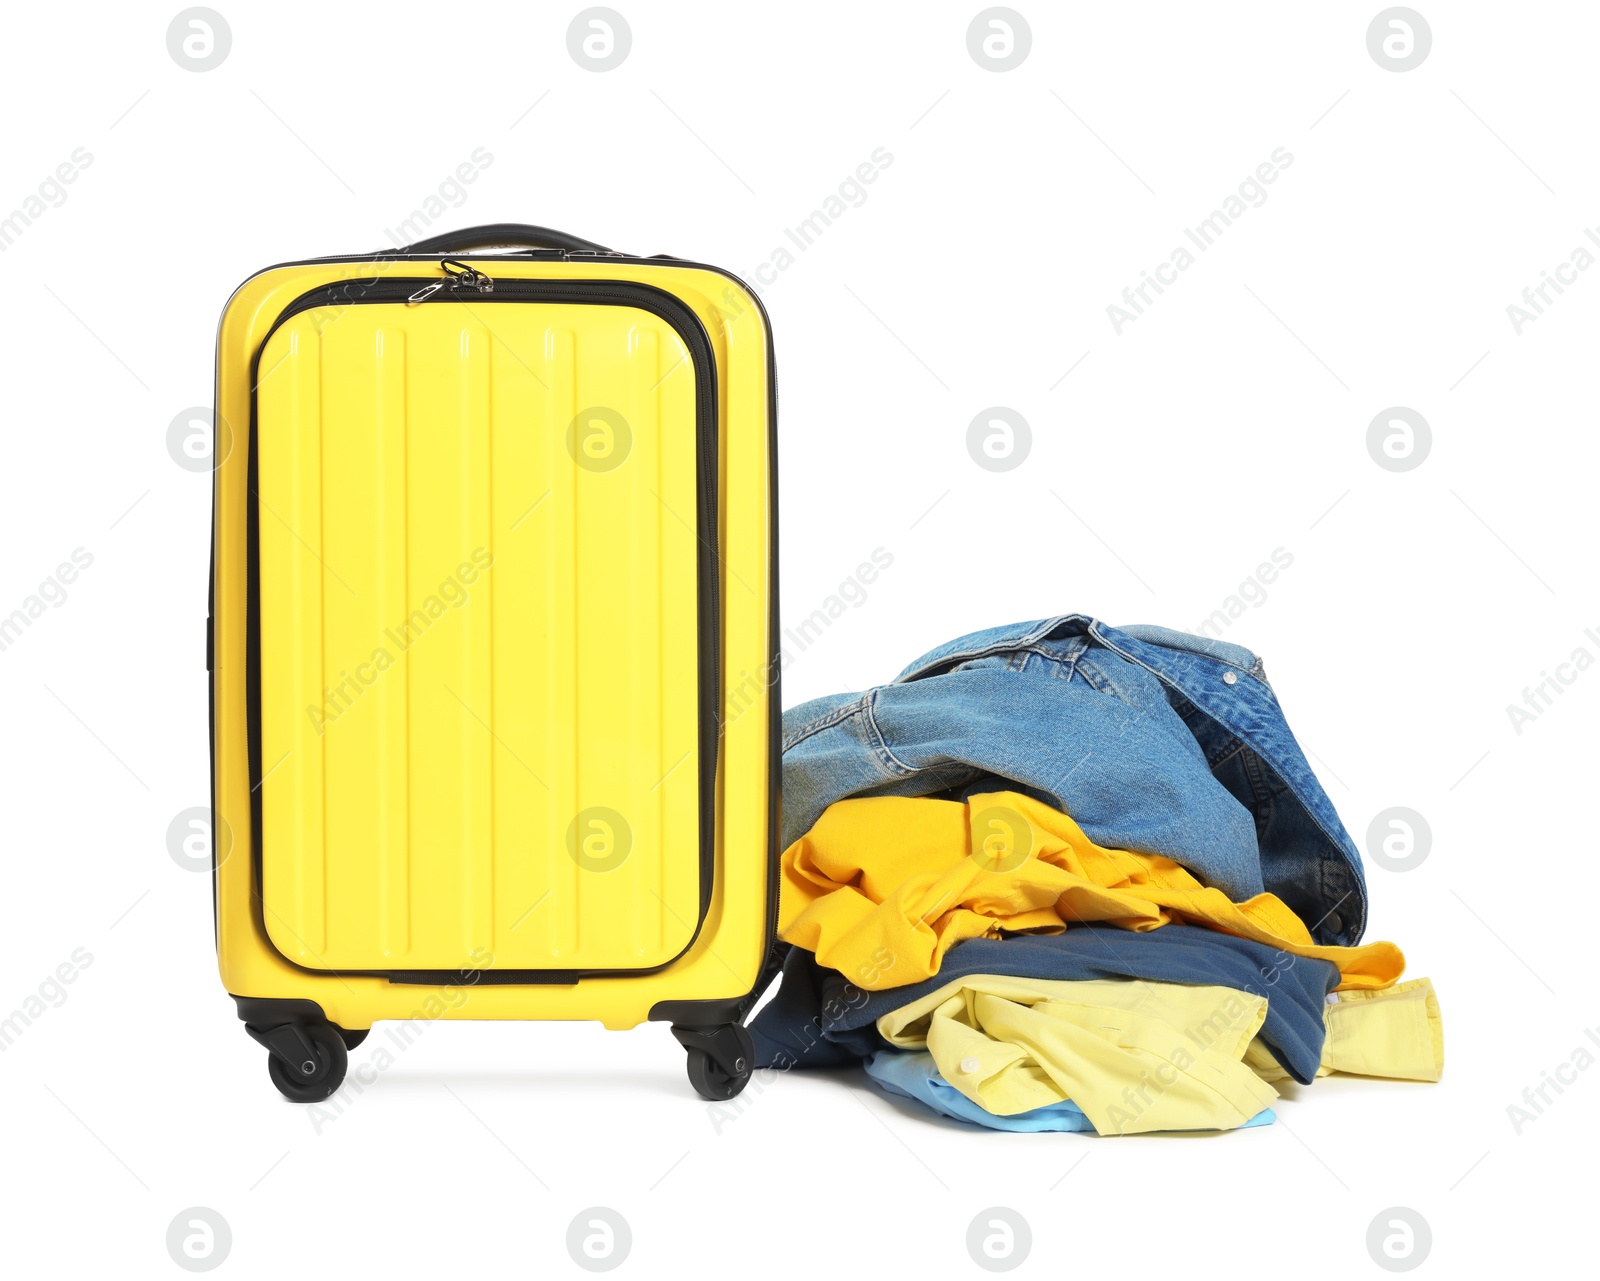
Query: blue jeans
point(1152, 740)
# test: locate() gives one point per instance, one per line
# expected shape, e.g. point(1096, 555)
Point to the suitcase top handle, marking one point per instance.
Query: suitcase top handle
point(495, 235)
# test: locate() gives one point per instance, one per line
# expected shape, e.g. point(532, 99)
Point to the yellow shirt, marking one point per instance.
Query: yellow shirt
point(1136, 1056)
point(882, 887)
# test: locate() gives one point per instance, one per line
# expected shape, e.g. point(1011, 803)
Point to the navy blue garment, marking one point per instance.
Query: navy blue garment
point(819, 1019)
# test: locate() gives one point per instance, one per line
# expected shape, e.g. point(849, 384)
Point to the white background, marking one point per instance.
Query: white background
point(1228, 421)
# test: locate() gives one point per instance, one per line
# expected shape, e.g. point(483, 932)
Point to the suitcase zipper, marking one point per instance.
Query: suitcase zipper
point(465, 278)
point(459, 278)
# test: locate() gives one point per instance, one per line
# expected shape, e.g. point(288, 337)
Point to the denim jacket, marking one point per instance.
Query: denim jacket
point(1151, 739)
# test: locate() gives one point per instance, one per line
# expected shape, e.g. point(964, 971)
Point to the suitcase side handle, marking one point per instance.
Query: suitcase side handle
point(496, 235)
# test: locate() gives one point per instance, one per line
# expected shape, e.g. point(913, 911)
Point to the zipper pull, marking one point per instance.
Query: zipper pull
point(466, 277)
point(457, 275)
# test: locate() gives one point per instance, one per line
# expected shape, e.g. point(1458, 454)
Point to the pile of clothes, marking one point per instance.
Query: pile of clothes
point(1064, 876)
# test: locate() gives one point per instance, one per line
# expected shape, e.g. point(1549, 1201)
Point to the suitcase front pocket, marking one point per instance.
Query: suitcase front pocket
point(484, 627)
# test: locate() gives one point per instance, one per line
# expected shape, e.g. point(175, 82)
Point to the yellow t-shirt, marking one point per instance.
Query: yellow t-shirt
point(882, 887)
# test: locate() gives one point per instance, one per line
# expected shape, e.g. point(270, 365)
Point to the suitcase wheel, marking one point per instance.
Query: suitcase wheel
point(720, 1059)
point(306, 1060)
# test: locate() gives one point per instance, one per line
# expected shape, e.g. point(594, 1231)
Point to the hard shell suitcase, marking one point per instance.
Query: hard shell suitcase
point(492, 642)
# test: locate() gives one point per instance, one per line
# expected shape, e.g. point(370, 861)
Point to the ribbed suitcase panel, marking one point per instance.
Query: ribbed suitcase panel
point(479, 701)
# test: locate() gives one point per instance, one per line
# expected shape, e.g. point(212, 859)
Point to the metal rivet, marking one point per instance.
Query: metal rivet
point(1228, 678)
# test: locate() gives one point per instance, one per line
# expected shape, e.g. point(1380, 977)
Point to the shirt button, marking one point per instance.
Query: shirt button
point(1228, 678)
point(970, 1064)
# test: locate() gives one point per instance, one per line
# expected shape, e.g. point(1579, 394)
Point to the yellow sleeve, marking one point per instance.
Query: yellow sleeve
point(1395, 1033)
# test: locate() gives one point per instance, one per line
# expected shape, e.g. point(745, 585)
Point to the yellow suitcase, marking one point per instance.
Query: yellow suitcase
point(493, 648)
